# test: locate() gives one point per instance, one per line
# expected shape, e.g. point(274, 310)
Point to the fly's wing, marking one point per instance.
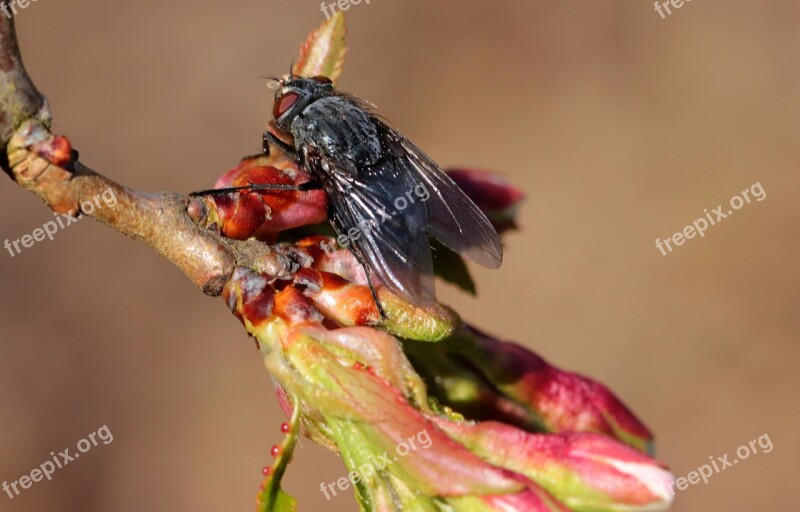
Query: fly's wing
point(454, 219)
point(387, 232)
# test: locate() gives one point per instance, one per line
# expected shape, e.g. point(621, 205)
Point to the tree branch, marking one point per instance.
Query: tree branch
point(19, 98)
point(49, 167)
point(339, 367)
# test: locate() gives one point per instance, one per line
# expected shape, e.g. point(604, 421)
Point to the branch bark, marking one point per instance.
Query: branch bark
point(340, 368)
point(19, 98)
point(49, 167)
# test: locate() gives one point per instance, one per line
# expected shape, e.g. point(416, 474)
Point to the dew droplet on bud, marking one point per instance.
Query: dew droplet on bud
point(266, 470)
point(275, 451)
point(285, 428)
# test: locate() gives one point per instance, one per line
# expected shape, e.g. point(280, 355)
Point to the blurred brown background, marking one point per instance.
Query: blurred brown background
point(620, 126)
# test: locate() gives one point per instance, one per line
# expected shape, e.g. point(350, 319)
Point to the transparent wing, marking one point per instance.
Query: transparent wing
point(454, 219)
point(389, 233)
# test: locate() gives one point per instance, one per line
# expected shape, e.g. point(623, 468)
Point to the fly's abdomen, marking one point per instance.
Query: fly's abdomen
point(339, 129)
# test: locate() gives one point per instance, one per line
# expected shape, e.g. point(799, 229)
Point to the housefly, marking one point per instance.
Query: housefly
point(386, 197)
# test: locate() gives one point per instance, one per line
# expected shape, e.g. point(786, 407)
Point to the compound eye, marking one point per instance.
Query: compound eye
point(284, 103)
point(322, 80)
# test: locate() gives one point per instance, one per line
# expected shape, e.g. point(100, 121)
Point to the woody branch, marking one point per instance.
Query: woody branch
point(47, 166)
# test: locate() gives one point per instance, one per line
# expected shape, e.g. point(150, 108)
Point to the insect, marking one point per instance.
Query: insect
point(386, 197)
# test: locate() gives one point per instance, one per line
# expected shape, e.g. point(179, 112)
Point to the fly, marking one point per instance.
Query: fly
point(386, 197)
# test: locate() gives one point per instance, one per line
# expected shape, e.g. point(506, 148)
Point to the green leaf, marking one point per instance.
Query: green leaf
point(323, 52)
point(271, 498)
point(284, 503)
point(452, 268)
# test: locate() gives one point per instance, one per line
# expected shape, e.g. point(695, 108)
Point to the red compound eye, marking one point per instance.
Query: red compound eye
point(284, 103)
point(322, 80)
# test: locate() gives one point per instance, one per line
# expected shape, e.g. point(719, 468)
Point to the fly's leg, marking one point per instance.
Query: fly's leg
point(309, 185)
point(287, 149)
point(363, 261)
point(268, 139)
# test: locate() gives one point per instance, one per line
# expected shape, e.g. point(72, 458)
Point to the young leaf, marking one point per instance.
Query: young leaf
point(323, 52)
point(452, 268)
point(272, 498)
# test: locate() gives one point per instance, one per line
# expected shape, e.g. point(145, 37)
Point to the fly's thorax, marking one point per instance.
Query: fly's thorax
point(339, 129)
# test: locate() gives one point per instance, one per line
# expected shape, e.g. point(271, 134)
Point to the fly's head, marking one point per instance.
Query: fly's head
point(295, 94)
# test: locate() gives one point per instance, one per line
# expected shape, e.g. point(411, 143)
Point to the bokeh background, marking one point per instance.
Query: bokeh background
point(620, 126)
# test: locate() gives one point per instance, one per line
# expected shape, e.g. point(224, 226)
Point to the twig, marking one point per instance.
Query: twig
point(49, 167)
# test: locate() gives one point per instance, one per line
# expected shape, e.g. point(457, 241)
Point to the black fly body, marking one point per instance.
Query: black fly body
point(364, 166)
